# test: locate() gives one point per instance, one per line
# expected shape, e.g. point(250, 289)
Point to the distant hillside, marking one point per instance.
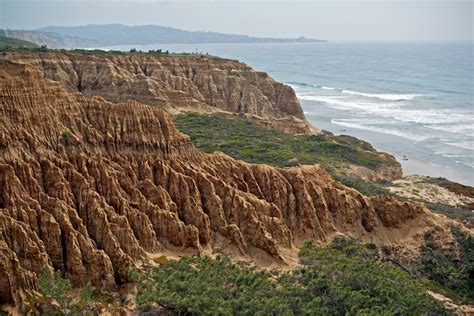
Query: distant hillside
point(49, 39)
point(118, 34)
point(6, 42)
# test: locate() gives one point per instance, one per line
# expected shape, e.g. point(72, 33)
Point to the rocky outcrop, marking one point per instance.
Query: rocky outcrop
point(177, 83)
point(92, 188)
point(190, 83)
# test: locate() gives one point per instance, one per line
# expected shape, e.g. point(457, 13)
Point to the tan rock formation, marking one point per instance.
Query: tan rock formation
point(92, 188)
point(206, 84)
point(176, 83)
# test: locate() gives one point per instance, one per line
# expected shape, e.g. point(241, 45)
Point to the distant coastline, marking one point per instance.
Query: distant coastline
point(89, 36)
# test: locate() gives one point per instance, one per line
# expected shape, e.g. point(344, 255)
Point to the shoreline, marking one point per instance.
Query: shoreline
point(406, 153)
point(414, 166)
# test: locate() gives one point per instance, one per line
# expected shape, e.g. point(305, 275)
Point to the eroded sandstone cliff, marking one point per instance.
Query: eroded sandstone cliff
point(94, 188)
point(177, 83)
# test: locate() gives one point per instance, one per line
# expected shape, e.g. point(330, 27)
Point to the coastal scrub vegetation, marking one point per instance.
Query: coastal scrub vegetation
point(8, 44)
point(251, 142)
point(449, 271)
point(364, 187)
point(454, 187)
point(66, 133)
point(343, 278)
point(463, 214)
point(58, 297)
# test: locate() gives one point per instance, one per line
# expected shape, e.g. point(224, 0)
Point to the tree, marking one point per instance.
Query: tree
point(84, 301)
point(55, 288)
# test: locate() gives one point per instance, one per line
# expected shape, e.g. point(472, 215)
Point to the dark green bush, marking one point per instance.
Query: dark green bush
point(342, 279)
point(364, 187)
point(253, 143)
point(447, 271)
point(250, 142)
point(349, 279)
point(57, 297)
point(207, 286)
point(463, 213)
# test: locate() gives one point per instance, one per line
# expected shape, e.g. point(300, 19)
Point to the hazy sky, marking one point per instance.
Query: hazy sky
point(332, 20)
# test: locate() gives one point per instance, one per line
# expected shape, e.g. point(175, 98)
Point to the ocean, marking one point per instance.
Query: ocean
point(413, 100)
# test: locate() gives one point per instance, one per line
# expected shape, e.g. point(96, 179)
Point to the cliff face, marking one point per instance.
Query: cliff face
point(176, 83)
point(93, 188)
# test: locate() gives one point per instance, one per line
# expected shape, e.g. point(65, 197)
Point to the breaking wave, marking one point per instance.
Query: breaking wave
point(396, 111)
point(379, 96)
point(354, 123)
point(384, 96)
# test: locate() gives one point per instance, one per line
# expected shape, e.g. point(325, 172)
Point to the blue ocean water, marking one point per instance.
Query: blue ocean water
point(414, 100)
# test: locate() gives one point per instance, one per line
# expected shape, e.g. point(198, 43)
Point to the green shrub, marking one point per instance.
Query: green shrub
point(349, 279)
point(250, 142)
point(207, 286)
point(12, 44)
point(447, 272)
point(66, 134)
point(344, 278)
point(364, 187)
point(256, 144)
point(57, 297)
point(463, 213)
point(54, 288)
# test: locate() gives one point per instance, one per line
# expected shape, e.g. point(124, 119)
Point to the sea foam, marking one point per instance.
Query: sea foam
point(383, 96)
point(463, 129)
point(397, 111)
point(353, 123)
point(463, 145)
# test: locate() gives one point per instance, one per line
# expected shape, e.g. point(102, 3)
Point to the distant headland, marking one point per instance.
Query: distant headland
point(119, 34)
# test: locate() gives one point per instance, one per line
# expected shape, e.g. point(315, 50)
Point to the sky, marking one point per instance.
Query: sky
point(410, 20)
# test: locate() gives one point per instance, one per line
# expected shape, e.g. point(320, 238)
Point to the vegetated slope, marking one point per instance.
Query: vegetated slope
point(339, 279)
point(51, 40)
point(13, 43)
point(440, 195)
point(351, 161)
point(176, 83)
point(93, 188)
point(343, 156)
point(119, 34)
